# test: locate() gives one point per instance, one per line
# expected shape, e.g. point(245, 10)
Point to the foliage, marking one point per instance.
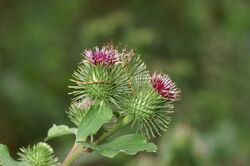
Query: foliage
point(94, 120)
point(5, 158)
point(57, 131)
point(129, 144)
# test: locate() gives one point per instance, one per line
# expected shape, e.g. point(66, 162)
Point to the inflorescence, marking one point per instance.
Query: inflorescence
point(121, 78)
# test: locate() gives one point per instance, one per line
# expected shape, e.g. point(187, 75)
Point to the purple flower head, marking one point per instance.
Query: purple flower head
point(106, 56)
point(165, 87)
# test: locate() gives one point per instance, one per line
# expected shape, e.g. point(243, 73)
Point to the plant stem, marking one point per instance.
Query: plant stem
point(126, 120)
point(77, 150)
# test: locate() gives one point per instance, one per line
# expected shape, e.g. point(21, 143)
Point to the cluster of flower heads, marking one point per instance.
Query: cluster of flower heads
point(109, 76)
point(114, 76)
point(109, 56)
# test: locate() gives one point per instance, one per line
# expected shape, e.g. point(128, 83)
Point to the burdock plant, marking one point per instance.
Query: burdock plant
point(110, 89)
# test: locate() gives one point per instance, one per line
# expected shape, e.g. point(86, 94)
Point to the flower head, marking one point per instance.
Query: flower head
point(150, 112)
point(107, 55)
point(40, 154)
point(101, 76)
point(78, 110)
point(165, 87)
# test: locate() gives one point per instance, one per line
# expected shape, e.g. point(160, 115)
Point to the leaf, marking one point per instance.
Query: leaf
point(6, 160)
point(129, 144)
point(57, 131)
point(93, 120)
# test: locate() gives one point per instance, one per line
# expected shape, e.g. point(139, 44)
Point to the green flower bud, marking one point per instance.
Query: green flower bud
point(40, 154)
point(149, 110)
point(78, 110)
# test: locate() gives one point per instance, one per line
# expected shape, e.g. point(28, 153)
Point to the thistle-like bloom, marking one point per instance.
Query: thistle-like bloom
point(106, 56)
point(101, 76)
point(40, 154)
point(150, 111)
point(165, 87)
point(152, 105)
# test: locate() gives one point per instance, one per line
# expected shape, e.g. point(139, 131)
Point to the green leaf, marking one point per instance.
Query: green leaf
point(6, 160)
point(93, 120)
point(57, 131)
point(129, 144)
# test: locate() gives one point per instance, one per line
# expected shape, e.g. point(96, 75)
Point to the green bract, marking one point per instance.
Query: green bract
point(136, 69)
point(149, 110)
point(134, 65)
point(78, 110)
point(100, 82)
point(40, 154)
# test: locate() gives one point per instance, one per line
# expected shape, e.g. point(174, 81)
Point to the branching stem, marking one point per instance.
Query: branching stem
point(77, 150)
point(126, 120)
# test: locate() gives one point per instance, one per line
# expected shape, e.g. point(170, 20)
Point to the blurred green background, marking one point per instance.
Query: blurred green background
point(204, 45)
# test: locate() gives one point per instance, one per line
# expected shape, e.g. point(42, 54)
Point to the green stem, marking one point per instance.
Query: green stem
point(75, 152)
point(78, 150)
point(126, 120)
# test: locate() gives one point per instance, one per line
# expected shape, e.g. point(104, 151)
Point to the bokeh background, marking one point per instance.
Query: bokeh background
point(204, 45)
